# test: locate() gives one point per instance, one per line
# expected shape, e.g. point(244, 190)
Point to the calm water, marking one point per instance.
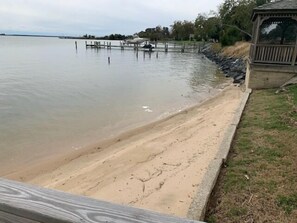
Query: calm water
point(55, 98)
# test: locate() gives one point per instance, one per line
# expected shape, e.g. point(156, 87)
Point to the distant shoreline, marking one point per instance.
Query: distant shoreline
point(61, 37)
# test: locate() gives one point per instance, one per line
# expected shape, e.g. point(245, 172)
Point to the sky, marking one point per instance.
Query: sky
point(96, 17)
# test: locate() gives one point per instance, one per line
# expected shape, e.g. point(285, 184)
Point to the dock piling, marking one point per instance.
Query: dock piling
point(183, 48)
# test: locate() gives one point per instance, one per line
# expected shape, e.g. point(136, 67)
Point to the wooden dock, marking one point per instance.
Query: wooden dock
point(195, 48)
point(23, 203)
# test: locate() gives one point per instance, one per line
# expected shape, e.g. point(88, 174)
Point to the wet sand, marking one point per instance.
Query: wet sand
point(158, 166)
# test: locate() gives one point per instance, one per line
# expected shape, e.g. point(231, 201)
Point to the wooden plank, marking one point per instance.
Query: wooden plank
point(266, 54)
point(294, 56)
point(288, 54)
point(275, 45)
point(284, 55)
point(278, 54)
point(261, 50)
point(50, 206)
point(269, 53)
point(9, 218)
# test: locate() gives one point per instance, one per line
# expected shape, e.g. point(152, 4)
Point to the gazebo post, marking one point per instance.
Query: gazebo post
point(256, 37)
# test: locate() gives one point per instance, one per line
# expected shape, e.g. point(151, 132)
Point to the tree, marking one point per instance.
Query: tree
point(155, 34)
point(207, 28)
point(235, 16)
point(181, 30)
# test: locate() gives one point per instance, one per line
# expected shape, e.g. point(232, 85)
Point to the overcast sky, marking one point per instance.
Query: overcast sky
point(97, 17)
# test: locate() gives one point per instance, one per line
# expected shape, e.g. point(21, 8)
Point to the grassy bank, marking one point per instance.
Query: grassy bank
point(259, 181)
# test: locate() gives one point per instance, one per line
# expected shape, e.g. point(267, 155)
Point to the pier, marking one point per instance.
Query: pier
point(162, 47)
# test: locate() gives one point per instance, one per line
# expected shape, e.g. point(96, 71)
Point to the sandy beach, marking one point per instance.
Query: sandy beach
point(157, 167)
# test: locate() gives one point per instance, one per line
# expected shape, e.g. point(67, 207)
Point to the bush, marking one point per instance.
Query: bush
point(229, 36)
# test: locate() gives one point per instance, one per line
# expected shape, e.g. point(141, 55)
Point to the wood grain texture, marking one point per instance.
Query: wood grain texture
point(50, 206)
point(9, 218)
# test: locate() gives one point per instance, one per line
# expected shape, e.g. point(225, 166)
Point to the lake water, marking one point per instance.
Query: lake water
point(56, 98)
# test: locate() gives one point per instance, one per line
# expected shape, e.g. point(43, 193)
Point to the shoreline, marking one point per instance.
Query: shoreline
point(28, 170)
point(146, 167)
point(72, 151)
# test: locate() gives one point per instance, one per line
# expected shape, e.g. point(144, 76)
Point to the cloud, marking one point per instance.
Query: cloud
point(99, 17)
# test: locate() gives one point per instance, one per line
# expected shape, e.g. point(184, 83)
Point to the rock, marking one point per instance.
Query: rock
point(231, 67)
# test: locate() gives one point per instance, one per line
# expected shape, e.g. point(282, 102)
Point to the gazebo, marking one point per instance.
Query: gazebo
point(273, 51)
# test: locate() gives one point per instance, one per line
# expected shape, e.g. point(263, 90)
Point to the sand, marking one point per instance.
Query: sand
point(157, 167)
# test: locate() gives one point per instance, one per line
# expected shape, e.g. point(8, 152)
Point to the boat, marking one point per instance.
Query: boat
point(135, 40)
point(149, 47)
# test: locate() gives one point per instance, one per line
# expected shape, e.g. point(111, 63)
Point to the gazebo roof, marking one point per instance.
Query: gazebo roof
point(276, 7)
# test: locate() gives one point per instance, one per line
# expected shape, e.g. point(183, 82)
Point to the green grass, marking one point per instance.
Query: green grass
point(288, 203)
point(259, 183)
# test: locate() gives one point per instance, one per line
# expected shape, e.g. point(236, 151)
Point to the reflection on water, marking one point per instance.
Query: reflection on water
point(54, 97)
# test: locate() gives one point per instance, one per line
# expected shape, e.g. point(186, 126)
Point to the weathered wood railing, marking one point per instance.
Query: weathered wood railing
point(22, 203)
point(275, 54)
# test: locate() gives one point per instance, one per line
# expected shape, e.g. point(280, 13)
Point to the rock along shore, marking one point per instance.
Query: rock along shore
point(231, 66)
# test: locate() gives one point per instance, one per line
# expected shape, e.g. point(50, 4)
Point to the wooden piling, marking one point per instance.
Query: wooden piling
point(183, 48)
point(75, 44)
point(108, 60)
point(166, 47)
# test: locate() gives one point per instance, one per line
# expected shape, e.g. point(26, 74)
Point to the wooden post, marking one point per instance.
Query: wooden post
point(108, 60)
point(75, 44)
point(86, 44)
point(157, 55)
point(183, 48)
point(294, 54)
point(166, 47)
point(256, 37)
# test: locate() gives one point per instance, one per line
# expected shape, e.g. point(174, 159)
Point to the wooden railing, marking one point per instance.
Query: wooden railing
point(274, 54)
point(22, 203)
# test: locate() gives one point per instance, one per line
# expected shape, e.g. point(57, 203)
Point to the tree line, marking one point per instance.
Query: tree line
point(230, 23)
